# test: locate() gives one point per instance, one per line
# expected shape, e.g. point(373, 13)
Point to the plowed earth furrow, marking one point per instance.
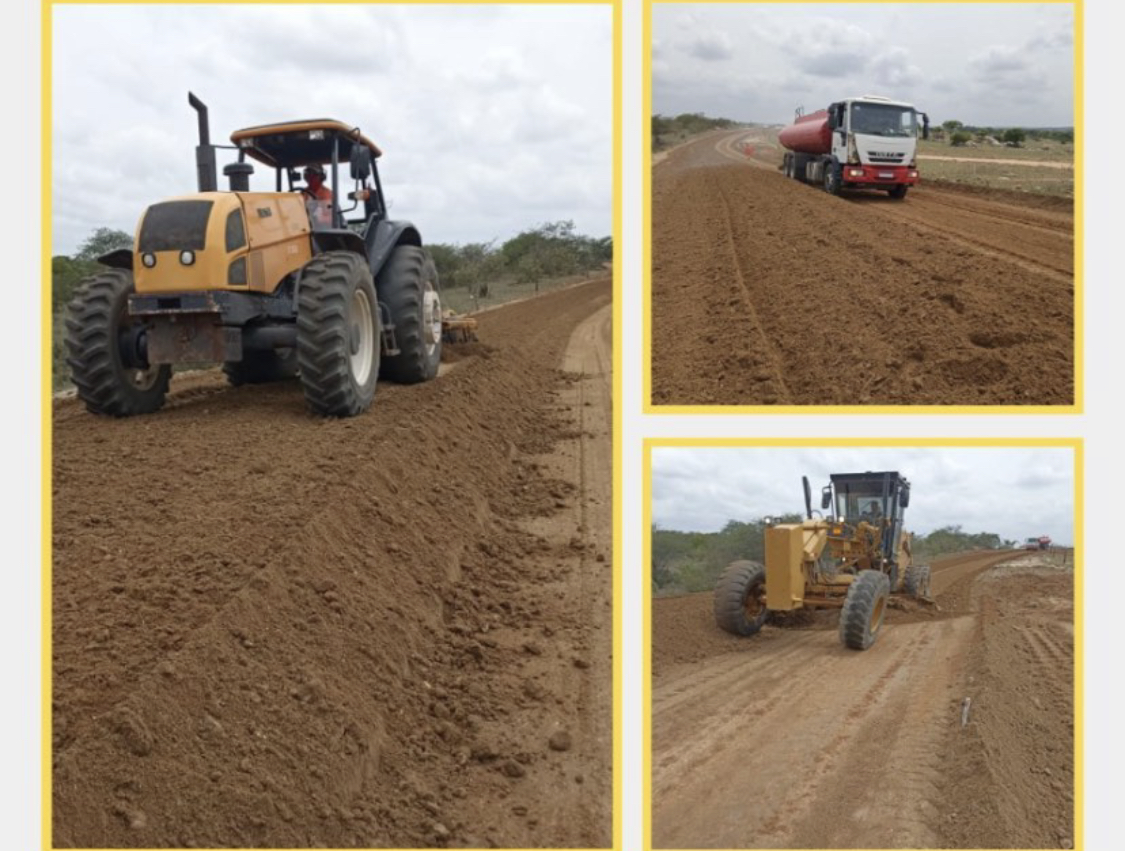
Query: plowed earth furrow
point(851, 300)
point(788, 740)
point(274, 630)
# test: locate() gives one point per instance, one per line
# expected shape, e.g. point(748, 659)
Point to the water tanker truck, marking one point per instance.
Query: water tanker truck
point(867, 142)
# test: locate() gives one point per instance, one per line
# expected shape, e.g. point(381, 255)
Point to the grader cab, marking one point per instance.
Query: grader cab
point(852, 554)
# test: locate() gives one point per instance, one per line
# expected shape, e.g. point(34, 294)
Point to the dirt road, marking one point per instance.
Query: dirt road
point(275, 630)
point(768, 291)
point(788, 740)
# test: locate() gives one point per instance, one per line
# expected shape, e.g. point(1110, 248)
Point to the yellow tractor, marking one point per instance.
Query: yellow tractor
point(852, 559)
point(297, 281)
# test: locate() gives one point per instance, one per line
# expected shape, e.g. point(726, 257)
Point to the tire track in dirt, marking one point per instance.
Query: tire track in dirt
point(271, 629)
point(788, 740)
point(848, 307)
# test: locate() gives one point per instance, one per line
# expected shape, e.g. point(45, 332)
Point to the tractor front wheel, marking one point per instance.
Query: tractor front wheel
point(739, 605)
point(104, 351)
point(338, 340)
point(864, 608)
point(408, 286)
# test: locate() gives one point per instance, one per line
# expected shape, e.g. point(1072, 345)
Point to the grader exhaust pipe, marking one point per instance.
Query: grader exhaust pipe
point(808, 497)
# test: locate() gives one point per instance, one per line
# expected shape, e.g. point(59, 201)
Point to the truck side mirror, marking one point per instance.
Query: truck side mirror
point(833, 116)
point(904, 498)
point(360, 162)
point(825, 498)
point(925, 126)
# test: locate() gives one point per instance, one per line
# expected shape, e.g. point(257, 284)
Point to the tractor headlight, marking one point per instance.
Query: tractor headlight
point(187, 257)
point(149, 260)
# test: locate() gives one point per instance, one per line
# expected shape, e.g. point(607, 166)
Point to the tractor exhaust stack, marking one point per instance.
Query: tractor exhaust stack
point(204, 152)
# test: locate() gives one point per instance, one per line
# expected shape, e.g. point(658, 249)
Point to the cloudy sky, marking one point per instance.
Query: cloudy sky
point(492, 119)
point(1015, 492)
point(985, 64)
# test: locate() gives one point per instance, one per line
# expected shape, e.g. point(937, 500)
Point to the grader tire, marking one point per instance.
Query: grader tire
point(918, 580)
point(737, 601)
point(338, 340)
point(408, 286)
point(261, 367)
point(864, 609)
point(97, 321)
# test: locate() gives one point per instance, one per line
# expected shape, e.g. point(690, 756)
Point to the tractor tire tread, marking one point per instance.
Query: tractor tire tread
point(323, 338)
point(95, 366)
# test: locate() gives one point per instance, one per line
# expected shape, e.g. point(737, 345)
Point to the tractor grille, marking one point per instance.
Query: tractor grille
point(174, 226)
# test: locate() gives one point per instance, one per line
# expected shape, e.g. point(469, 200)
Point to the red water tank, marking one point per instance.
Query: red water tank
point(809, 134)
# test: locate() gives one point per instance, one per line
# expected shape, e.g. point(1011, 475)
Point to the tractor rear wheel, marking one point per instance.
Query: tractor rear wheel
point(918, 580)
point(261, 367)
point(739, 607)
point(408, 286)
point(864, 608)
point(338, 340)
point(103, 349)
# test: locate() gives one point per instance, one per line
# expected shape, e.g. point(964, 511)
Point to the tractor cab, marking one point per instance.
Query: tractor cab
point(290, 146)
point(878, 499)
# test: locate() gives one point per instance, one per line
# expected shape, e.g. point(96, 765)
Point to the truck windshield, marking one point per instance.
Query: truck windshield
point(880, 119)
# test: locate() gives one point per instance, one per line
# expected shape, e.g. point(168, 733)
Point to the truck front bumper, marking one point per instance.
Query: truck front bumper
point(879, 176)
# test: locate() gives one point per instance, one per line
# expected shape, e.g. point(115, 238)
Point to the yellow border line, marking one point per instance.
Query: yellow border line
point(45, 305)
point(1074, 443)
point(646, 230)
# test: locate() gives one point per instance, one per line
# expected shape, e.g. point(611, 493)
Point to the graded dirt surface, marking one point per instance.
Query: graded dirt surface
point(789, 740)
point(274, 630)
point(768, 291)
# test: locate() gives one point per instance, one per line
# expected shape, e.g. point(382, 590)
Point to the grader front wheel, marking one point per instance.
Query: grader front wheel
point(739, 605)
point(864, 608)
point(918, 580)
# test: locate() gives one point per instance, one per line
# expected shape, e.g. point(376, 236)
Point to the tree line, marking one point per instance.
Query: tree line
point(684, 562)
point(551, 250)
point(959, 134)
point(667, 130)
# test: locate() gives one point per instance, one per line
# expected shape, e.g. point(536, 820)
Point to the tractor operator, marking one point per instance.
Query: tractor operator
point(318, 197)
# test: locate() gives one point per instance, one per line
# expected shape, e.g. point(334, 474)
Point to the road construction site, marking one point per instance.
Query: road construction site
point(768, 291)
point(273, 629)
point(954, 730)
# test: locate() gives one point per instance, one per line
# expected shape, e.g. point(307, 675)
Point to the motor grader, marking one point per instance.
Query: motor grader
point(270, 284)
point(852, 558)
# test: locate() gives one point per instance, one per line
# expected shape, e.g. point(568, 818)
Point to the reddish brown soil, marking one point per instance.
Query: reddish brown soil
point(839, 749)
point(271, 629)
point(768, 291)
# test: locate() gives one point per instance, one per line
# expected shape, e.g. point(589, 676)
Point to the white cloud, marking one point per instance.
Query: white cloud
point(492, 119)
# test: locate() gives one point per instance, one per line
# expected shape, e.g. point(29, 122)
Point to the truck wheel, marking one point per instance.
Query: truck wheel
point(864, 608)
point(739, 608)
point(338, 334)
point(102, 350)
point(898, 192)
point(918, 580)
point(408, 286)
point(261, 367)
point(831, 179)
